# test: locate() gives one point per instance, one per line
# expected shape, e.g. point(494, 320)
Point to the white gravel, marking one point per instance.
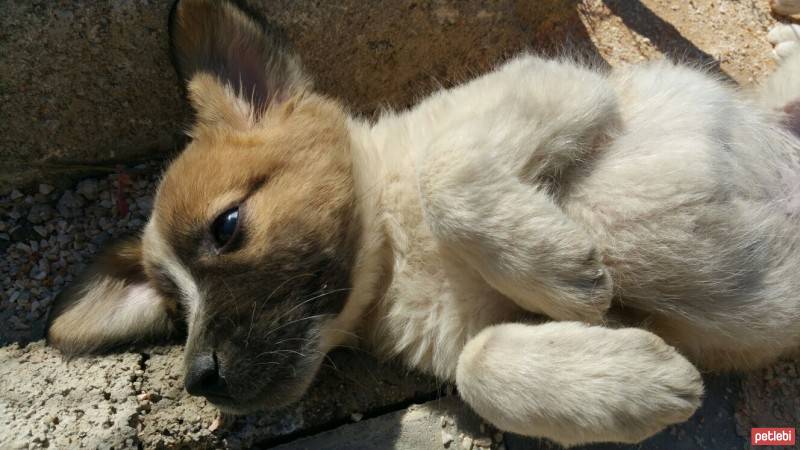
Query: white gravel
point(48, 235)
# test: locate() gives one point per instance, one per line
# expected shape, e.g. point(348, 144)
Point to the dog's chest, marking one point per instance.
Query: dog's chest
point(434, 303)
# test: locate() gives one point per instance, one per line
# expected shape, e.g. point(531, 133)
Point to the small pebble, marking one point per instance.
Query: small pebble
point(145, 203)
point(483, 442)
point(356, 417)
point(218, 422)
point(447, 438)
point(37, 274)
point(88, 189)
point(68, 203)
point(40, 213)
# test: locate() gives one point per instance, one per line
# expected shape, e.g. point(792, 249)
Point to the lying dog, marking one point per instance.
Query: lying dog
point(558, 241)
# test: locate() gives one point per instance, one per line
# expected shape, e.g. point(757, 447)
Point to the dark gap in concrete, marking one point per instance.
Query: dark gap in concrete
point(441, 392)
point(143, 357)
point(135, 419)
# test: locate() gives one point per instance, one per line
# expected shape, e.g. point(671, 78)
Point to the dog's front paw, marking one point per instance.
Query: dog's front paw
point(668, 382)
point(576, 384)
point(785, 40)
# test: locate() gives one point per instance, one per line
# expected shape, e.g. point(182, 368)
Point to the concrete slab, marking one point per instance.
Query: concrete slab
point(351, 385)
point(443, 423)
point(48, 402)
point(136, 399)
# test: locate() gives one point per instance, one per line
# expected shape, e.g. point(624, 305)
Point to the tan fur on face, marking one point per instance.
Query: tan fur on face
point(218, 104)
point(290, 175)
point(299, 151)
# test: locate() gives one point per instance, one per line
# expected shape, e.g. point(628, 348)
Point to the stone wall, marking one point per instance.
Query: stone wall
point(86, 84)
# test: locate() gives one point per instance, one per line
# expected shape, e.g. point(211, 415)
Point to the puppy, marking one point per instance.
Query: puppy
point(558, 241)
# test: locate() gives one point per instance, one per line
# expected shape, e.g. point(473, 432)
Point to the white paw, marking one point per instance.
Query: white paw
point(576, 384)
point(785, 7)
point(785, 39)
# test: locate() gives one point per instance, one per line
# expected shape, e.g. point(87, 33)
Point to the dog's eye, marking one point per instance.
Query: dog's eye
point(225, 226)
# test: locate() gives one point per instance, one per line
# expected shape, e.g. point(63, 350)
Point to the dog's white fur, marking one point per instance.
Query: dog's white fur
point(533, 187)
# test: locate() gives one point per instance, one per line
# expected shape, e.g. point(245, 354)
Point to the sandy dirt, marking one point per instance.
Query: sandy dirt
point(729, 36)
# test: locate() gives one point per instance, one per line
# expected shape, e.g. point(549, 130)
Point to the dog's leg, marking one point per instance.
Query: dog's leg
point(781, 91)
point(524, 245)
point(785, 37)
point(487, 185)
point(785, 7)
point(574, 383)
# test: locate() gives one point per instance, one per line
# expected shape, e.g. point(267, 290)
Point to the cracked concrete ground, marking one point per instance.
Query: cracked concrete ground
point(135, 398)
point(47, 402)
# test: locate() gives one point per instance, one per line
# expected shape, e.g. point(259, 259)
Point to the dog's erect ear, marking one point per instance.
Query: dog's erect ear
point(109, 305)
point(235, 64)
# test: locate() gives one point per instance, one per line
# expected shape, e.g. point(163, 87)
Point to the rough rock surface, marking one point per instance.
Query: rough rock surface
point(82, 82)
point(47, 402)
point(442, 423)
point(350, 385)
point(128, 399)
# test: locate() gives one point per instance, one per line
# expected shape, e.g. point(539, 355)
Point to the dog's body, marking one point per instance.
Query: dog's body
point(697, 230)
point(502, 234)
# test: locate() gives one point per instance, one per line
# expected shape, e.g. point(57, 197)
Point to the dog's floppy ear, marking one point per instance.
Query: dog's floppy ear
point(111, 304)
point(234, 63)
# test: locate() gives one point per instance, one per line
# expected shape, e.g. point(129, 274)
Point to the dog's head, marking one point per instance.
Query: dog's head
point(254, 232)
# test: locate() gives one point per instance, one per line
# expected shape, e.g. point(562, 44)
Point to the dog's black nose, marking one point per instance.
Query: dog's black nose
point(203, 377)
